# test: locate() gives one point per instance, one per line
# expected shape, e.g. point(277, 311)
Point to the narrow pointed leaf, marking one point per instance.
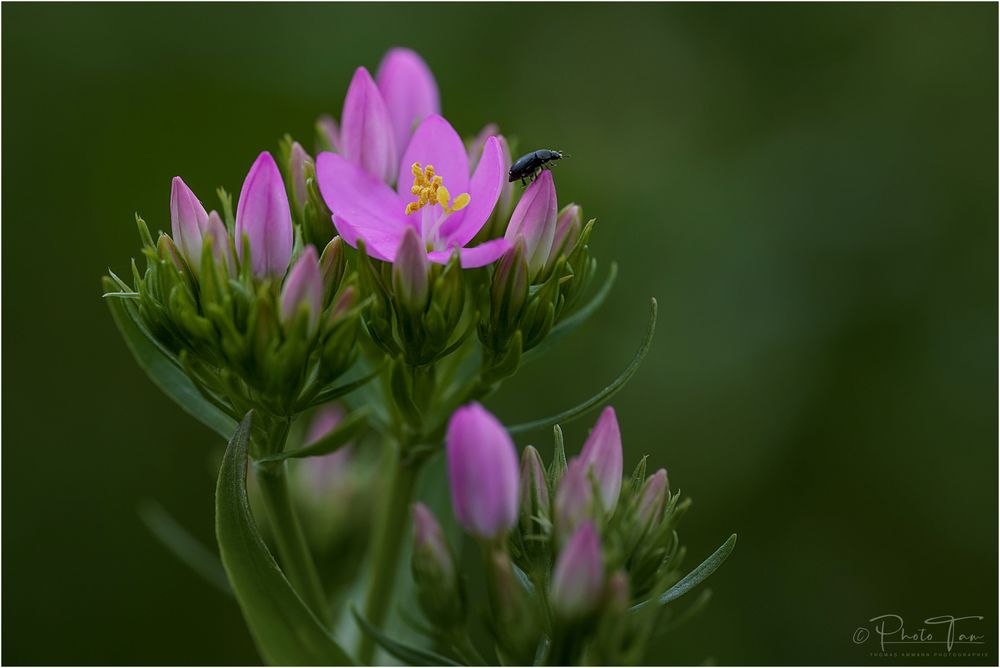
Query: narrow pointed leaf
point(581, 315)
point(604, 395)
point(184, 546)
point(285, 630)
point(695, 577)
point(164, 371)
point(350, 427)
point(412, 656)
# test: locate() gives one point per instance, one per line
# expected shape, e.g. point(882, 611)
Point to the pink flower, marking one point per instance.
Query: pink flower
point(439, 200)
point(483, 472)
point(409, 91)
point(380, 114)
point(366, 136)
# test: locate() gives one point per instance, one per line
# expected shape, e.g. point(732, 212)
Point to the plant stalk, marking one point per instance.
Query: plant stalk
point(296, 560)
point(387, 547)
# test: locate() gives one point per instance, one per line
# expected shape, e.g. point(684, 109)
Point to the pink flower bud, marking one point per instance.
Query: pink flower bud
point(482, 469)
point(216, 231)
point(603, 452)
point(431, 555)
point(578, 577)
point(410, 272)
point(304, 286)
point(574, 499)
point(263, 216)
point(653, 498)
point(534, 219)
point(188, 220)
point(568, 225)
point(366, 134)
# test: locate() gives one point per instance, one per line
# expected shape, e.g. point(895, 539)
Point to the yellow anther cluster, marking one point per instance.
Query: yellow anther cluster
point(429, 189)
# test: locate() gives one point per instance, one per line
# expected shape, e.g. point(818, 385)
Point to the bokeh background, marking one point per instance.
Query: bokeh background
point(809, 191)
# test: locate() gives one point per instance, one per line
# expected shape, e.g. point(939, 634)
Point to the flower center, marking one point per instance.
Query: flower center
point(429, 189)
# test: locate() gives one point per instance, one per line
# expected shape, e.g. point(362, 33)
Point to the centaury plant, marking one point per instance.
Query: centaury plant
point(382, 290)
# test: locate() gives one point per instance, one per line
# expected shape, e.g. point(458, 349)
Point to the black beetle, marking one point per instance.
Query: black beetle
point(529, 165)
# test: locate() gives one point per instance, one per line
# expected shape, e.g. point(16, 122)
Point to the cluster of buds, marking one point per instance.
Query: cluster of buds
point(568, 550)
point(257, 319)
point(537, 280)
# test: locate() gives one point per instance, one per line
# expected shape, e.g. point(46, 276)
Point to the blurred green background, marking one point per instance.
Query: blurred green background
point(809, 191)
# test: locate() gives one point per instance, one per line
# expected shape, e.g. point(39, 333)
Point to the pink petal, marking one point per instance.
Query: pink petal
point(435, 143)
point(366, 135)
point(363, 206)
point(484, 189)
point(409, 91)
point(477, 256)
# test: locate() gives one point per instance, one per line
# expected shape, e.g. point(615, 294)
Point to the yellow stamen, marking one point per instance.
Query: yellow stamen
point(429, 189)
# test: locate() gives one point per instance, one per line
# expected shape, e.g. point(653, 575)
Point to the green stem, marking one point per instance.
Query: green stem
point(296, 560)
point(388, 544)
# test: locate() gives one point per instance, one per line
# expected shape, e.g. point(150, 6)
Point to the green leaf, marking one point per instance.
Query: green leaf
point(336, 392)
point(695, 577)
point(581, 315)
point(285, 630)
point(412, 656)
point(605, 394)
point(346, 430)
point(164, 370)
point(184, 546)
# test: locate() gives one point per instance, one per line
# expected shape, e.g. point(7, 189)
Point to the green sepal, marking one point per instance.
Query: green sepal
point(163, 369)
point(558, 466)
point(285, 630)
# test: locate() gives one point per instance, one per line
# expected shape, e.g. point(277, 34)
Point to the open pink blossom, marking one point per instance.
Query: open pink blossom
point(437, 199)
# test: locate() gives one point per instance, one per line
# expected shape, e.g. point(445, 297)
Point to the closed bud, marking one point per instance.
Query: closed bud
point(332, 267)
point(534, 220)
point(298, 160)
point(535, 505)
point(602, 452)
point(568, 225)
point(508, 293)
point(264, 218)
point(574, 499)
point(303, 289)
point(410, 279)
point(515, 618)
point(653, 499)
point(188, 220)
point(434, 570)
point(482, 471)
point(578, 577)
point(167, 251)
point(216, 234)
